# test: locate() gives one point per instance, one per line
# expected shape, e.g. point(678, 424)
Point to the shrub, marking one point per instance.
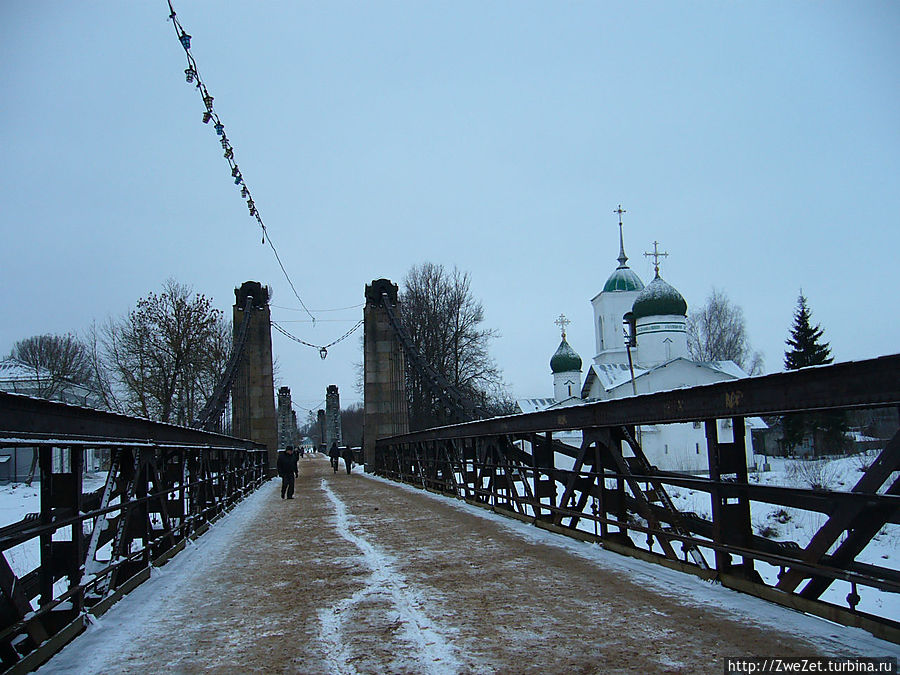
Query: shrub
point(818, 474)
point(781, 516)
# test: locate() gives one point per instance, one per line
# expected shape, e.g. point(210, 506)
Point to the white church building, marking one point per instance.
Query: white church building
point(655, 318)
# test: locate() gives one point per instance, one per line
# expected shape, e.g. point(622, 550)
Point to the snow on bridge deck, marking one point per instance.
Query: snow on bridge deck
point(359, 575)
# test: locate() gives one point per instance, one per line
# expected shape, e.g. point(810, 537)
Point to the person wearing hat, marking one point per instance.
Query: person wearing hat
point(287, 469)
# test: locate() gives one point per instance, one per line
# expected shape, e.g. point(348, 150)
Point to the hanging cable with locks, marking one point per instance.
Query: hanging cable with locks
point(192, 76)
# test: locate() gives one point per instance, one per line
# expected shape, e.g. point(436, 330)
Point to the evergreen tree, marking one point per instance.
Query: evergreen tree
point(826, 430)
point(805, 348)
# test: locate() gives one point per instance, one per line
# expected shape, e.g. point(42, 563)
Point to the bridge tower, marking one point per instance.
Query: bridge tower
point(253, 392)
point(320, 421)
point(384, 391)
point(333, 416)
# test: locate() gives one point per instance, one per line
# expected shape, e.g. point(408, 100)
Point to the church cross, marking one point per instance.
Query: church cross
point(562, 322)
point(656, 255)
point(622, 257)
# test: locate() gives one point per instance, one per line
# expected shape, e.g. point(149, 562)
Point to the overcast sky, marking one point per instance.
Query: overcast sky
point(758, 142)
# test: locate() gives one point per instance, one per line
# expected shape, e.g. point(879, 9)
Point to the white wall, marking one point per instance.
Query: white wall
point(609, 308)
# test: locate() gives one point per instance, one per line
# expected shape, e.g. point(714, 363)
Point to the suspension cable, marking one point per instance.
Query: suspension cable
point(215, 406)
point(450, 394)
point(192, 75)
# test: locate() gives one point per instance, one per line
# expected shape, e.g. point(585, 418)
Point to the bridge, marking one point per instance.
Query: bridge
point(486, 546)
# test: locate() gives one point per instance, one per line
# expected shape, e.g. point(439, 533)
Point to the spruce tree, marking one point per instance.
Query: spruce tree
point(807, 349)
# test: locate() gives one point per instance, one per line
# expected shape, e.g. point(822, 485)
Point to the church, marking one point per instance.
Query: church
point(641, 347)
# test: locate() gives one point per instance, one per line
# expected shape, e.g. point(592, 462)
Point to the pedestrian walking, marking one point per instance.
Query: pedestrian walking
point(287, 469)
point(335, 456)
point(347, 454)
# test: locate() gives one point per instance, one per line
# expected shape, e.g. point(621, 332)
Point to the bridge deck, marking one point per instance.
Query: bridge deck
point(357, 575)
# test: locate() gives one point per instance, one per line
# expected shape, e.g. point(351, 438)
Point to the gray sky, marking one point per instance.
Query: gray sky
point(758, 142)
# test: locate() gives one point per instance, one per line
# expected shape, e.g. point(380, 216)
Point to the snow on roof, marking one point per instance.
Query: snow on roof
point(9, 370)
point(727, 367)
point(612, 375)
point(529, 405)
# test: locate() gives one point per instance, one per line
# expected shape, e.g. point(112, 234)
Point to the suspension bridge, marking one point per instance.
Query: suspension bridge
point(463, 549)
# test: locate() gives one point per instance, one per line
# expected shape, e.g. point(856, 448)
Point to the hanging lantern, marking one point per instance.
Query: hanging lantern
point(229, 153)
point(189, 74)
point(244, 192)
point(238, 179)
point(185, 41)
point(323, 352)
point(206, 118)
point(220, 128)
point(207, 100)
point(235, 172)
point(224, 142)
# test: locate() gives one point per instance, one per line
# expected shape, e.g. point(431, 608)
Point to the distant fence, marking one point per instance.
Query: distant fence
point(83, 550)
point(606, 490)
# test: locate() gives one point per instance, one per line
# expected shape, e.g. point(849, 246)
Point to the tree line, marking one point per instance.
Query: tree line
point(161, 360)
point(164, 357)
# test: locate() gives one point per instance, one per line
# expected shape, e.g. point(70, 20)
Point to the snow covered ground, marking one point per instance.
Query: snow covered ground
point(688, 589)
point(783, 524)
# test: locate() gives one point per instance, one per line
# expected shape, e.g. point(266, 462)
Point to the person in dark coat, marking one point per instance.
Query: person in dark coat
point(335, 456)
point(287, 469)
point(347, 454)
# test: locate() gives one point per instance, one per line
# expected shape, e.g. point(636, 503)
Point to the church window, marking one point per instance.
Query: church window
point(601, 333)
point(666, 451)
point(697, 445)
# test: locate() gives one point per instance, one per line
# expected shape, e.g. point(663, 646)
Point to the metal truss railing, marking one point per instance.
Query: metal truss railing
point(83, 550)
point(607, 491)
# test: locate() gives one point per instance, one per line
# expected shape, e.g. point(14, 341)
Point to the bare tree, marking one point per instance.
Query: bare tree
point(103, 377)
point(717, 332)
point(444, 320)
point(167, 354)
point(352, 424)
point(55, 361)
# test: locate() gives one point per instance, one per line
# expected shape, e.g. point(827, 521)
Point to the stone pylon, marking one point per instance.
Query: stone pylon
point(287, 419)
point(253, 392)
point(320, 419)
point(333, 417)
point(384, 389)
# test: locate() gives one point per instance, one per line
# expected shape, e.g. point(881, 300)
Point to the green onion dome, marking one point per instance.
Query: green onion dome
point(659, 299)
point(565, 359)
point(623, 279)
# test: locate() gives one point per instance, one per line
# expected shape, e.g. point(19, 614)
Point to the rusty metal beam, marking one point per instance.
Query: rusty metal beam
point(56, 420)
